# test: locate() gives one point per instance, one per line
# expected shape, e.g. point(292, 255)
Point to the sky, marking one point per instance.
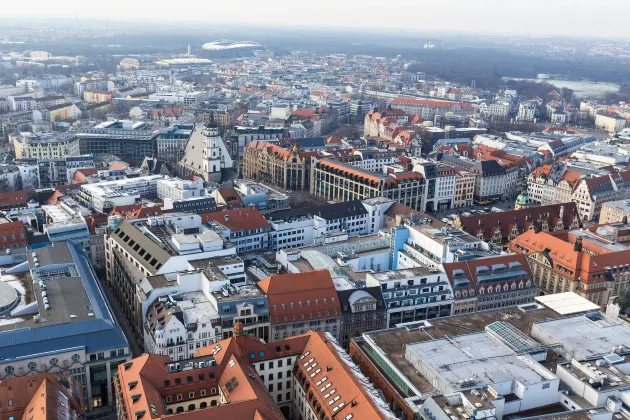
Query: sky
point(606, 18)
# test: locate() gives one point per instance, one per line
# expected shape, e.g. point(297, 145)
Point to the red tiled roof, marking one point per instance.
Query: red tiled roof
point(301, 296)
point(430, 103)
point(16, 198)
point(14, 233)
point(237, 220)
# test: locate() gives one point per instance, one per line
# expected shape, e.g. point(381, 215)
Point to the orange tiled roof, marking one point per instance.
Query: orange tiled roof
point(301, 296)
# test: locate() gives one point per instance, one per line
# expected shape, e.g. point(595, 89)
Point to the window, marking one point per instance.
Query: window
point(32, 366)
point(545, 386)
point(76, 358)
point(8, 370)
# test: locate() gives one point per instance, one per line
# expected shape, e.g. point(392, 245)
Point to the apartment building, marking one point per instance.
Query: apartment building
point(615, 211)
point(246, 378)
point(413, 294)
point(490, 283)
point(439, 184)
point(427, 109)
point(28, 145)
point(247, 228)
point(154, 246)
point(464, 188)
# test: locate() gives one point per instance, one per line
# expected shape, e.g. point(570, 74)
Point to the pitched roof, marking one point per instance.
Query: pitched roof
point(16, 198)
point(513, 222)
point(237, 220)
point(301, 296)
point(430, 103)
point(41, 393)
point(332, 370)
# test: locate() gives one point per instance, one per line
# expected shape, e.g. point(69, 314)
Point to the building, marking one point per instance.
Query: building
point(43, 146)
point(414, 294)
point(363, 310)
point(271, 164)
point(336, 181)
point(612, 123)
point(419, 243)
point(96, 97)
point(575, 261)
point(179, 190)
point(427, 109)
point(179, 325)
point(489, 283)
point(172, 141)
point(439, 185)
point(302, 302)
point(12, 234)
point(246, 228)
point(129, 64)
point(464, 189)
point(495, 364)
point(104, 196)
point(154, 246)
point(128, 140)
point(54, 172)
point(41, 396)
point(247, 378)
point(69, 328)
point(205, 155)
point(527, 111)
point(614, 211)
point(60, 112)
point(64, 222)
point(492, 181)
point(501, 228)
point(206, 298)
point(262, 197)
point(17, 200)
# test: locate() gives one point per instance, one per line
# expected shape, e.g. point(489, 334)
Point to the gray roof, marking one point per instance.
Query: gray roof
point(96, 332)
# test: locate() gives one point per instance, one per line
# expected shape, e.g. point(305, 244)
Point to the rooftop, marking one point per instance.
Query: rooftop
point(393, 341)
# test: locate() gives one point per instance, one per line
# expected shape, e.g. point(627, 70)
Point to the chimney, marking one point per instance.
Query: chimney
point(561, 212)
point(226, 217)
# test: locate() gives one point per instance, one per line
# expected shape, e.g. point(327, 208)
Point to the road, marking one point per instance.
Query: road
point(122, 321)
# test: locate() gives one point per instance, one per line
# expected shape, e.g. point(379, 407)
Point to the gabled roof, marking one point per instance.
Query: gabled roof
point(513, 222)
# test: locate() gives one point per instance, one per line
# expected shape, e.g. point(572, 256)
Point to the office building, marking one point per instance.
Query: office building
point(130, 141)
point(272, 164)
point(68, 329)
point(43, 146)
point(336, 181)
point(172, 141)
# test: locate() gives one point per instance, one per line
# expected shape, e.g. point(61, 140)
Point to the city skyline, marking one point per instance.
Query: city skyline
point(560, 18)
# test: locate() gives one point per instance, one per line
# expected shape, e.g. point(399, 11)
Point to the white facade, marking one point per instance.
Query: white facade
point(120, 192)
point(177, 189)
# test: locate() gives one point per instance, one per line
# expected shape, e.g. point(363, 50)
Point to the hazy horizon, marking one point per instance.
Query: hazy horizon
point(534, 18)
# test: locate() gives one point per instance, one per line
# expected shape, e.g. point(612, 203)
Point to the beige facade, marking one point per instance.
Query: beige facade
point(464, 189)
point(28, 145)
point(612, 124)
point(614, 211)
point(271, 164)
point(335, 181)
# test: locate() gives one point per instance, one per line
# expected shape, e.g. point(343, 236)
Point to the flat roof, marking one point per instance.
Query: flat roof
point(586, 337)
point(392, 341)
point(567, 303)
point(455, 360)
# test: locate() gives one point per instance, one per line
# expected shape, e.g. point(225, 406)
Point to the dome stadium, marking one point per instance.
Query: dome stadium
point(228, 47)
